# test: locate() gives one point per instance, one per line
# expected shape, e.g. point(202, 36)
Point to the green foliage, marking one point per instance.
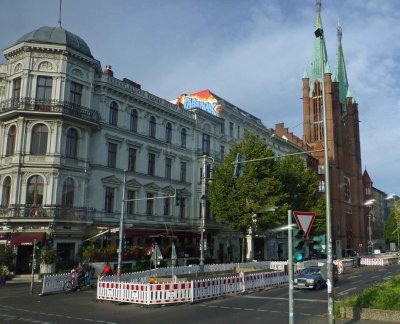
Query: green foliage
point(7, 257)
point(88, 253)
point(285, 183)
point(141, 266)
point(390, 227)
point(381, 296)
point(47, 255)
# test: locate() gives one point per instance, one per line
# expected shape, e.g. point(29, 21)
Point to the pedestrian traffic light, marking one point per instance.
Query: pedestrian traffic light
point(298, 244)
point(178, 196)
point(238, 170)
point(319, 243)
point(36, 249)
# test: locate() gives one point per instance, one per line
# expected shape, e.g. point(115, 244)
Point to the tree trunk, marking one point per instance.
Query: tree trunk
point(244, 247)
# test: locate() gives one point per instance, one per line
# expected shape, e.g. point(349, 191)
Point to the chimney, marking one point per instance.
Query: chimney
point(108, 71)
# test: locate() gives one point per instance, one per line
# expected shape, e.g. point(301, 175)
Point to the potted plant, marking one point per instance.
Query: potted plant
point(89, 253)
point(47, 259)
point(7, 257)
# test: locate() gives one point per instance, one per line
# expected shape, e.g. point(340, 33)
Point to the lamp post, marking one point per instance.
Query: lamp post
point(206, 160)
point(319, 33)
point(121, 229)
point(370, 203)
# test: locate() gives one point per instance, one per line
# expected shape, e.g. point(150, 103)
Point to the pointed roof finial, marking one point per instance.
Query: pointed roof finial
point(339, 34)
point(318, 14)
point(59, 16)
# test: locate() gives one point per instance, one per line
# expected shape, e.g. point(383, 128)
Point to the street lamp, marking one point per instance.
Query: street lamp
point(370, 203)
point(207, 160)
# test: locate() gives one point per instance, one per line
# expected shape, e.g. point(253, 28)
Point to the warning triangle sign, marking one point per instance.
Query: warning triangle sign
point(304, 220)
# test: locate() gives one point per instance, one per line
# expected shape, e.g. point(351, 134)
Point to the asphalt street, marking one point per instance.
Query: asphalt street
point(17, 305)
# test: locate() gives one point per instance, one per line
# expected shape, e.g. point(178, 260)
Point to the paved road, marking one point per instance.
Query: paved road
point(17, 305)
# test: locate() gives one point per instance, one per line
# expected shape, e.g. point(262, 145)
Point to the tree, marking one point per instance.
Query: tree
point(300, 190)
point(282, 183)
point(392, 223)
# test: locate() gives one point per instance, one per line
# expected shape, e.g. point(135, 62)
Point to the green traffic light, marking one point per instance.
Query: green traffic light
point(298, 256)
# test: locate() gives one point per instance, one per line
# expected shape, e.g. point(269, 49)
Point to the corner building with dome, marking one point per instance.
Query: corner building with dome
point(68, 131)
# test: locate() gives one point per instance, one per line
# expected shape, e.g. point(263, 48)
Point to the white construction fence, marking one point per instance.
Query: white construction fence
point(190, 291)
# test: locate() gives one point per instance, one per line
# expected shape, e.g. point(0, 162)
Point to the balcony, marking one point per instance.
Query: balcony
point(51, 106)
point(54, 213)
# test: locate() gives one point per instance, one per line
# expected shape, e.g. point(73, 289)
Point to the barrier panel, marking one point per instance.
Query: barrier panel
point(54, 283)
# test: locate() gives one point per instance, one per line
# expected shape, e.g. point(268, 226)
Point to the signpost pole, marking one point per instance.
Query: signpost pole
point(290, 268)
point(33, 264)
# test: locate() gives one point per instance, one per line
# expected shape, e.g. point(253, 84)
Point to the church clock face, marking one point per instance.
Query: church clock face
point(347, 195)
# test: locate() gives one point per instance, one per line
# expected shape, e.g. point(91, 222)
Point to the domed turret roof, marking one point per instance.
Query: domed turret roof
point(56, 35)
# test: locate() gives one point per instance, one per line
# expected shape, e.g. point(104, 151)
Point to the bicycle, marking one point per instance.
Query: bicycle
point(73, 285)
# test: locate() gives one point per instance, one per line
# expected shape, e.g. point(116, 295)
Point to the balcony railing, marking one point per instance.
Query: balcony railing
point(58, 106)
point(82, 214)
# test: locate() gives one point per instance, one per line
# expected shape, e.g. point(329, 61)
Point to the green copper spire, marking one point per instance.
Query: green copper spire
point(320, 57)
point(341, 70)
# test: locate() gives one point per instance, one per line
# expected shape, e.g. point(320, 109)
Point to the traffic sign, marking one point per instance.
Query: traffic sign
point(304, 220)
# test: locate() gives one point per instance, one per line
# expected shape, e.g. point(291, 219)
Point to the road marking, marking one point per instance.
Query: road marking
point(9, 308)
point(375, 276)
point(387, 278)
point(354, 282)
point(352, 277)
point(345, 292)
point(282, 298)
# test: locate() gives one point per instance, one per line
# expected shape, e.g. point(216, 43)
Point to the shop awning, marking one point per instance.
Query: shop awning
point(160, 233)
point(27, 238)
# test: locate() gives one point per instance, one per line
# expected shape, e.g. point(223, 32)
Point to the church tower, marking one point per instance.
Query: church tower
point(348, 223)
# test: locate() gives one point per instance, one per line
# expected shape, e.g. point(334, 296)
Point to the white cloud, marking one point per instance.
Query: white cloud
point(252, 53)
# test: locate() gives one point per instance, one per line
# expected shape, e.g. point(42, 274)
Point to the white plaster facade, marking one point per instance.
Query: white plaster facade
point(67, 218)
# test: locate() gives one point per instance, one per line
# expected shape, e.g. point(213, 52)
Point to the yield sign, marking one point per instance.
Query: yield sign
point(304, 220)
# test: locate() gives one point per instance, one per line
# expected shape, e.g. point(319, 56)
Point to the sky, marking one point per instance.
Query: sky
point(252, 53)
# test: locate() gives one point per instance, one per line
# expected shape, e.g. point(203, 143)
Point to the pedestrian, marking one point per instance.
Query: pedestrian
point(106, 270)
point(80, 273)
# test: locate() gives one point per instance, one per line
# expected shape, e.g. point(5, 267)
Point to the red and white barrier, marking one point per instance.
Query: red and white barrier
point(166, 293)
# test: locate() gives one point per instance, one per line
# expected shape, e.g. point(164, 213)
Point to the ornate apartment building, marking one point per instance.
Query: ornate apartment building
point(68, 131)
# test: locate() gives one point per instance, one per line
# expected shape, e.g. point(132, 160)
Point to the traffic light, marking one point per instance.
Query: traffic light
point(298, 244)
point(37, 247)
point(178, 196)
point(319, 243)
point(238, 170)
point(126, 245)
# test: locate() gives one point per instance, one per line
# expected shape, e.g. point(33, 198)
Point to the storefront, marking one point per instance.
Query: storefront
point(23, 243)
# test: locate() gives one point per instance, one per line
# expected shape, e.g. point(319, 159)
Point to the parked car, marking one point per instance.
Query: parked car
point(314, 277)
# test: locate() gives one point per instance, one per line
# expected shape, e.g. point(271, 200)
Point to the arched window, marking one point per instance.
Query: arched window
point(39, 139)
point(168, 133)
point(68, 191)
point(134, 120)
point(183, 137)
point(152, 127)
point(113, 113)
point(34, 193)
point(5, 201)
point(72, 143)
point(11, 141)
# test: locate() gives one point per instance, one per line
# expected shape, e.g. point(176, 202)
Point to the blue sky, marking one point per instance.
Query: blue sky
point(250, 52)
